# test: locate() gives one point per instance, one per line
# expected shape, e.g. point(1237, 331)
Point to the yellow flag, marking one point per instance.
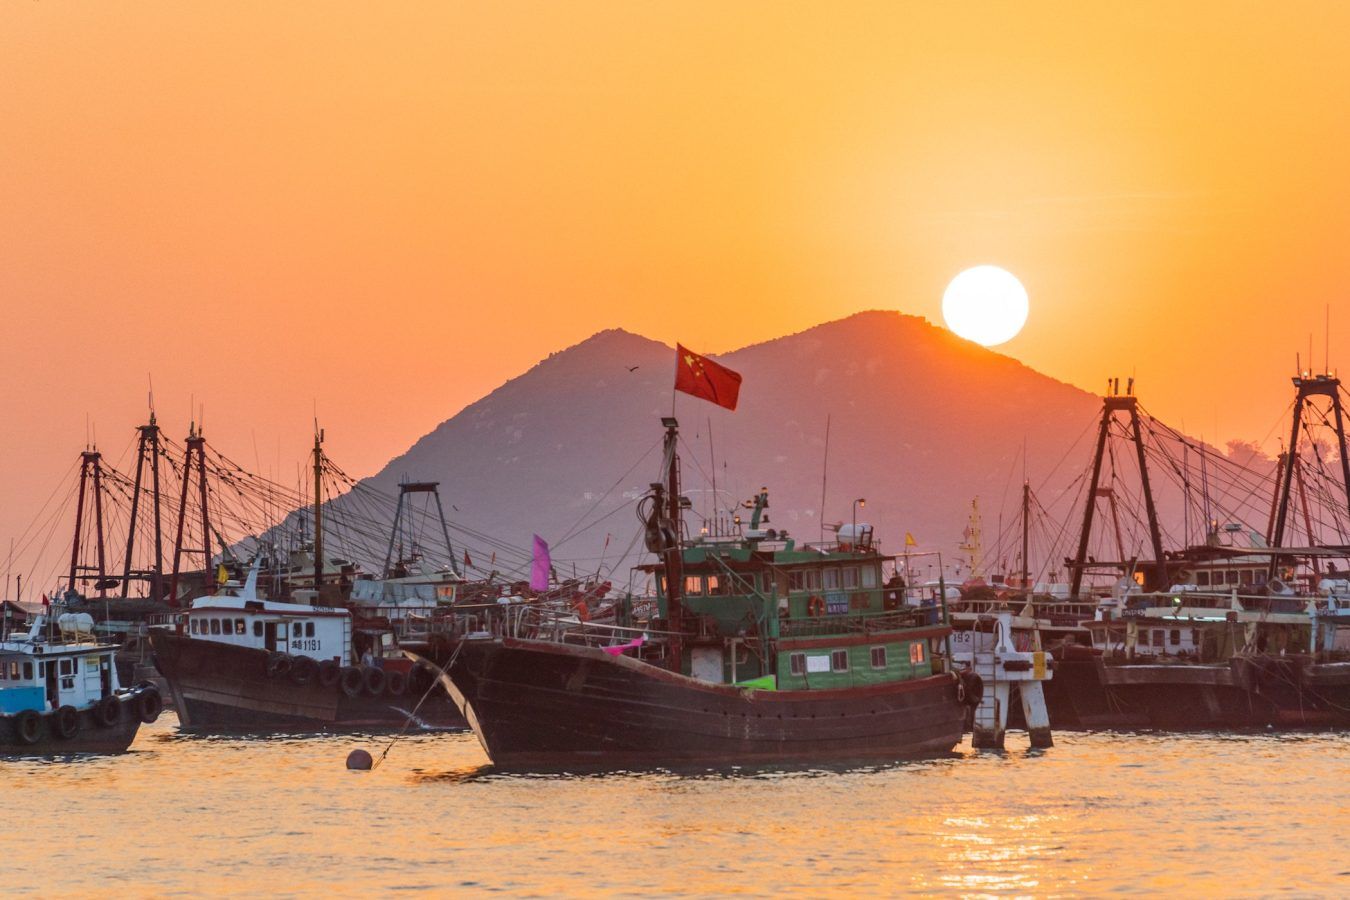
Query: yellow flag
point(221, 575)
point(909, 540)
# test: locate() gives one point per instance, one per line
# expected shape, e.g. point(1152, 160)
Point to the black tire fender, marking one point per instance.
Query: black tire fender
point(373, 680)
point(395, 683)
point(149, 704)
point(28, 726)
point(108, 711)
point(278, 665)
point(304, 670)
point(329, 673)
point(351, 680)
point(65, 722)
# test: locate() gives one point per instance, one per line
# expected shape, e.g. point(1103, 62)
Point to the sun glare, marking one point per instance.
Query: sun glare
point(986, 304)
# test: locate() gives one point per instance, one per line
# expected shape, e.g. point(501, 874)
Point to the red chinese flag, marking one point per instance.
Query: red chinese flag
point(704, 378)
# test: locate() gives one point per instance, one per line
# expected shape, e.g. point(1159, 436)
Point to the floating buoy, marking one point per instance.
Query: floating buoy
point(359, 760)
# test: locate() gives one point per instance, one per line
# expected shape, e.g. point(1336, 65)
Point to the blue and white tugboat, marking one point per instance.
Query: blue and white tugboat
point(59, 693)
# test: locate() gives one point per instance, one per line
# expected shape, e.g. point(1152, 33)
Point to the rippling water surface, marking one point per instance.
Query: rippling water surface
point(1142, 813)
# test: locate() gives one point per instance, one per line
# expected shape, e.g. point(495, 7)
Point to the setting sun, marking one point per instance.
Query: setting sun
point(986, 304)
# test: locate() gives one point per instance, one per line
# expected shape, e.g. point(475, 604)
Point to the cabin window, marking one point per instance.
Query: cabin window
point(870, 577)
point(693, 585)
point(839, 661)
point(192, 626)
point(1158, 640)
point(831, 579)
point(1143, 638)
point(65, 667)
point(28, 671)
point(1202, 579)
point(1246, 576)
point(1260, 577)
point(13, 667)
point(795, 581)
point(215, 626)
point(239, 627)
point(849, 576)
point(257, 628)
point(1175, 637)
point(660, 584)
point(42, 670)
point(797, 663)
point(309, 629)
point(1231, 576)
point(878, 657)
point(916, 654)
point(714, 584)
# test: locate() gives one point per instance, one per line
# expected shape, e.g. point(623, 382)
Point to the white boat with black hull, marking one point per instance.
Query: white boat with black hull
point(59, 692)
point(237, 662)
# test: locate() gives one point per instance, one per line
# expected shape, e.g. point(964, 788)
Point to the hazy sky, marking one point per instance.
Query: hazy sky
point(383, 211)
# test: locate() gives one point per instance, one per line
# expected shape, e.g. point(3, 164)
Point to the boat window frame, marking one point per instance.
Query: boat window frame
point(28, 670)
point(697, 585)
point(873, 653)
point(849, 574)
point(797, 663)
point(257, 628)
point(837, 656)
point(871, 577)
point(240, 628)
point(215, 625)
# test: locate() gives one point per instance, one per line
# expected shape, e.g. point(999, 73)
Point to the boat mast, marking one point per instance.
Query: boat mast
point(196, 446)
point(1112, 404)
point(1026, 535)
point(146, 445)
point(1306, 387)
point(90, 467)
point(673, 551)
point(318, 509)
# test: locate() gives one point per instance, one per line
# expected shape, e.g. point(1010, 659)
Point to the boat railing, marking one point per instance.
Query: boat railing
point(860, 623)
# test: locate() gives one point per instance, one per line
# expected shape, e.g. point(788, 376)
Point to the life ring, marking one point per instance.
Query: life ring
point(65, 722)
point(351, 680)
point(149, 704)
point(304, 670)
point(395, 683)
point(108, 711)
point(373, 680)
point(278, 665)
point(815, 605)
point(329, 673)
point(28, 726)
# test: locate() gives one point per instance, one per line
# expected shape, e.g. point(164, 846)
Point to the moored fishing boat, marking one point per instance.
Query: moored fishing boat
point(237, 662)
point(59, 692)
point(765, 651)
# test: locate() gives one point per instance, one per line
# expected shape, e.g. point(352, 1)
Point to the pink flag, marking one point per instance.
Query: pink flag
point(540, 568)
point(617, 650)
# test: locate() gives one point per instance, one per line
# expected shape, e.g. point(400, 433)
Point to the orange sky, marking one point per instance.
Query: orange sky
point(385, 210)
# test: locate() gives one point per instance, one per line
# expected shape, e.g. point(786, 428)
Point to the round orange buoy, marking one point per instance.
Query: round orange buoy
point(359, 760)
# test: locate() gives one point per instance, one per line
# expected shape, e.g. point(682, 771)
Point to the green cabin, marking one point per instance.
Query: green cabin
point(763, 612)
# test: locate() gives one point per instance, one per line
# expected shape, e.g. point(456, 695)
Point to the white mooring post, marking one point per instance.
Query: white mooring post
point(999, 664)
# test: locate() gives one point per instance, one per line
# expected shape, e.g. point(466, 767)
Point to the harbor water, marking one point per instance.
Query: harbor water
point(1150, 814)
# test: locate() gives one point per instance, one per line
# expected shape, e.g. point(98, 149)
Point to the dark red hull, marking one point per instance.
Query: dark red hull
point(219, 687)
point(545, 705)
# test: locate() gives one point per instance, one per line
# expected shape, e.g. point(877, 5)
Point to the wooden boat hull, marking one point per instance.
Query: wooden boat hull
point(1245, 692)
point(91, 736)
point(546, 705)
point(220, 687)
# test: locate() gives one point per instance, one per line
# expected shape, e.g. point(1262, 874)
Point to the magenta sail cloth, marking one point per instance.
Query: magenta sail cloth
point(618, 649)
point(540, 568)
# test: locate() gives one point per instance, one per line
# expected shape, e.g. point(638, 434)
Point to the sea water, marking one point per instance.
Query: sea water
point(1142, 813)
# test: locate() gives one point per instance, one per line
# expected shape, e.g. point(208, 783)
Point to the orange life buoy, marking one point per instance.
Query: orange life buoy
point(815, 606)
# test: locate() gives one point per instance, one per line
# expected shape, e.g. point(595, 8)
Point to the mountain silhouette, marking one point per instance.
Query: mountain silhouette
point(920, 423)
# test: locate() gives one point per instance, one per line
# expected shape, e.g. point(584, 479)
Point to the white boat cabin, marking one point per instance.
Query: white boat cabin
point(237, 616)
point(317, 632)
point(49, 667)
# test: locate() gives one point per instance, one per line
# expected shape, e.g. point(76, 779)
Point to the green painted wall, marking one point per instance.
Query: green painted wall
point(860, 671)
